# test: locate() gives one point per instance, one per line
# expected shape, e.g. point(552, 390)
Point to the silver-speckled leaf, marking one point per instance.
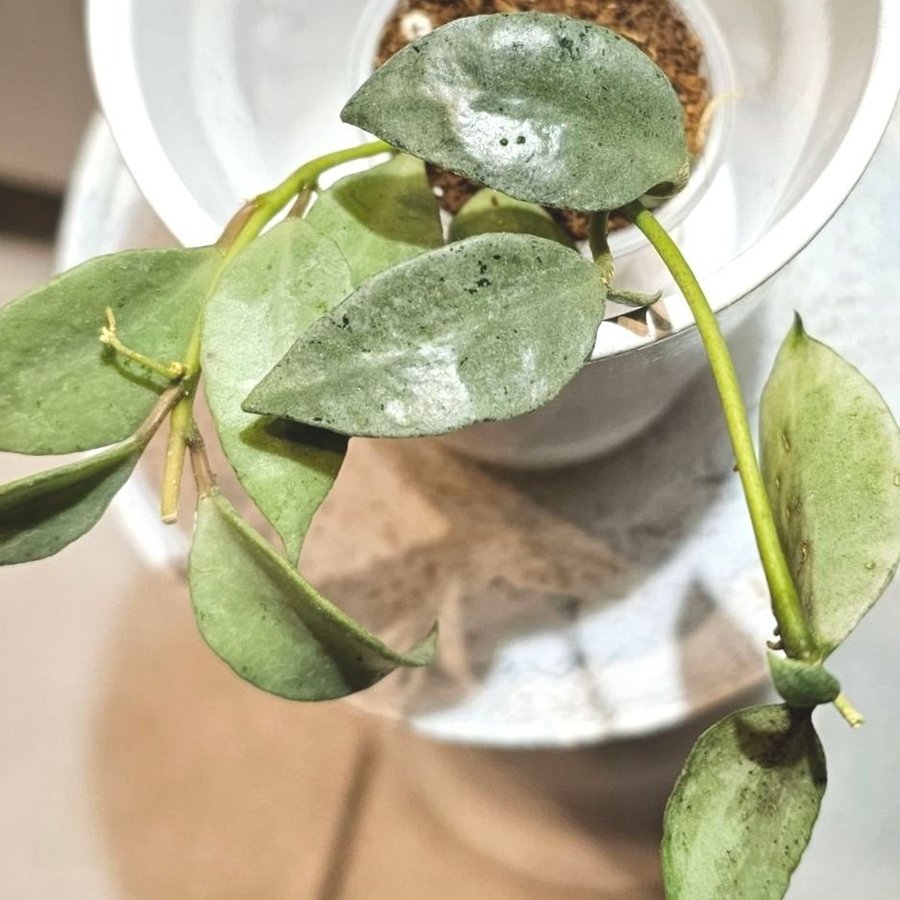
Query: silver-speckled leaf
point(41, 514)
point(744, 807)
point(485, 329)
point(380, 217)
point(270, 294)
point(545, 108)
point(831, 461)
point(490, 212)
point(61, 390)
point(275, 630)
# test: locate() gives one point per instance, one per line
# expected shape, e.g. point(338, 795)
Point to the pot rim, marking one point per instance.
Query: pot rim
point(117, 84)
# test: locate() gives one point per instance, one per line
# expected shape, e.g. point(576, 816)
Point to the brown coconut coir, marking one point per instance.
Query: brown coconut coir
point(656, 26)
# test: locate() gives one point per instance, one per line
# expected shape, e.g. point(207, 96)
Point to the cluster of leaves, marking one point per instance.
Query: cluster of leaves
point(357, 319)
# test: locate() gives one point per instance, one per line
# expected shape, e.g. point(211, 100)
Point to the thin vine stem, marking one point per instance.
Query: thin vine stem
point(244, 226)
point(786, 606)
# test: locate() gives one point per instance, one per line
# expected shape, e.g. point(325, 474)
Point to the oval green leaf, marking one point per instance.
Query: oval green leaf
point(831, 462)
point(276, 631)
point(380, 217)
point(802, 684)
point(490, 212)
point(485, 329)
point(271, 293)
point(744, 807)
point(545, 108)
point(62, 390)
point(41, 514)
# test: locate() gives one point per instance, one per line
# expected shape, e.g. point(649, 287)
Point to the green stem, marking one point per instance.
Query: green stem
point(785, 601)
point(244, 226)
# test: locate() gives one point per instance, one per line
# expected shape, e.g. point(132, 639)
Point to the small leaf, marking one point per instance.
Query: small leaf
point(41, 514)
point(380, 217)
point(485, 329)
point(545, 108)
point(62, 390)
point(633, 298)
point(802, 684)
point(831, 461)
point(259, 615)
point(744, 807)
point(271, 293)
point(490, 212)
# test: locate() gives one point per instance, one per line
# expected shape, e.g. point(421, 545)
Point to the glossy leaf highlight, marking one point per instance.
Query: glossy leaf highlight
point(744, 807)
point(485, 329)
point(831, 461)
point(545, 108)
point(275, 630)
point(41, 514)
point(63, 390)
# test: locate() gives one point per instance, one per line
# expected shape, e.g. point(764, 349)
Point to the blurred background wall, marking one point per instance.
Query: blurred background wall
point(45, 92)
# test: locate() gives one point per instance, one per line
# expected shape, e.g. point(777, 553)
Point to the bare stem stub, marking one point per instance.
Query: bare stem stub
point(109, 336)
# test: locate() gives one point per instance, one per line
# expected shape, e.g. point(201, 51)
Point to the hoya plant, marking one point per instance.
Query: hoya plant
point(354, 316)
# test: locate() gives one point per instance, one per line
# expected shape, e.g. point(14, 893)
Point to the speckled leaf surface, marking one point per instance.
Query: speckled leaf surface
point(260, 616)
point(744, 807)
point(61, 390)
point(545, 108)
point(41, 514)
point(831, 461)
point(270, 294)
point(490, 212)
point(380, 217)
point(484, 329)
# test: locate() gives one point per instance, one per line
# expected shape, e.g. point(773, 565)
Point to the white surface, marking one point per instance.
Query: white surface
point(211, 102)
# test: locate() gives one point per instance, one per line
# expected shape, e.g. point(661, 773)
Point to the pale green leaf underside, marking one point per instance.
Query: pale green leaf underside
point(380, 217)
point(545, 108)
point(259, 615)
point(744, 807)
point(41, 514)
point(271, 293)
point(831, 461)
point(484, 329)
point(62, 390)
point(490, 212)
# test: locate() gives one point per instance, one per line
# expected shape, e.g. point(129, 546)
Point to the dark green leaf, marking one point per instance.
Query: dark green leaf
point(831, 461)
point(41, 514)
point(276, 631)
point(802, 684)
point(380, 217)
point(744, 807)
point(542, 107)
point(271, 293)
point(488, 328)
point(62, 390)
point(490, 211)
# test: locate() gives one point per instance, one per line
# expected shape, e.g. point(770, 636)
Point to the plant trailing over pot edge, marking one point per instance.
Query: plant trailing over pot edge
point(353, 317)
